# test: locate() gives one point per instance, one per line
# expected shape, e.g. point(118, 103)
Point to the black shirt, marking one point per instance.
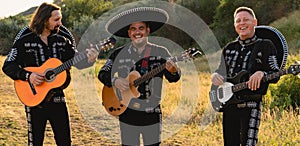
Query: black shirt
point(126, 59)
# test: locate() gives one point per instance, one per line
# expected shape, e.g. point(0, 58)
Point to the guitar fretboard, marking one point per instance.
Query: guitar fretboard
point(188, 54)
point(243, 85)
point(149, 75)
point(153, 72)
point(69, 63)
point(106, 44)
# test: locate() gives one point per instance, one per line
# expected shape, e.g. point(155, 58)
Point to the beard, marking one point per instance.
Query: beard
point(55, 30)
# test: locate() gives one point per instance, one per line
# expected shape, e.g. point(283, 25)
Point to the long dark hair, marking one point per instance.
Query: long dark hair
point(41, 16)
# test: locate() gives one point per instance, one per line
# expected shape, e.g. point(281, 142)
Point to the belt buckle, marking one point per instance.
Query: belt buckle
point(58, 99)
point(136, 105)
point(149, 110)
point(241, 105)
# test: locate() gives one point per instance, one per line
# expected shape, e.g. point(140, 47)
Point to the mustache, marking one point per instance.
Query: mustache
point(56, 27)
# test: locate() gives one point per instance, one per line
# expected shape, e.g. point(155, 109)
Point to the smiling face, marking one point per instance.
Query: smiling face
point(138, 33)
point(244, 24)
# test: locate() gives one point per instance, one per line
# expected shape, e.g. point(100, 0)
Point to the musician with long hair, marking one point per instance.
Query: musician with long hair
point(45, 38)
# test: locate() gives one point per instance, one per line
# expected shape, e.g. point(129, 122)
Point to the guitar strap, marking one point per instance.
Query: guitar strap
point(144, 68)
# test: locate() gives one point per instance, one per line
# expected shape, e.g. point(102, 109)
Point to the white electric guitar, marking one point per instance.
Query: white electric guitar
point(222, 96)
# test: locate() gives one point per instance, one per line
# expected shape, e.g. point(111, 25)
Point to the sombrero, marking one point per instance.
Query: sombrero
point(271, 33)
point(155, 17)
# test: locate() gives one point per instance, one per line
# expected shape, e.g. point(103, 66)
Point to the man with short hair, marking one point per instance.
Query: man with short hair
point(143, 115)
point(256, 55)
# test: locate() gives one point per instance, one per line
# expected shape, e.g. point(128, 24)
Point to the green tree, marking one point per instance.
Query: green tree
point(9, 27)
point(205, 9)
point(79, 26)
point(73, 10)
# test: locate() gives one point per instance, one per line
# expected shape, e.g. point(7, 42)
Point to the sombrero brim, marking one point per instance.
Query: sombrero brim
point(271, 33)
point(119, 24)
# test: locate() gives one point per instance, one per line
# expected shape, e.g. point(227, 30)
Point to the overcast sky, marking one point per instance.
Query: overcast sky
point(13, 7)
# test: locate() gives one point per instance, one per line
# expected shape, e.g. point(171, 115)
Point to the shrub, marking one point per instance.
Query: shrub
point(286, 92)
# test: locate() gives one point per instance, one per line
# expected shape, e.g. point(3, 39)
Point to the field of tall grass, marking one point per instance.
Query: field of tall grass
point(188, 116)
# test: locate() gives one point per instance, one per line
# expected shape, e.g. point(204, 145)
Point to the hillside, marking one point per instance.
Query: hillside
point(290, 28)
point(27, 12)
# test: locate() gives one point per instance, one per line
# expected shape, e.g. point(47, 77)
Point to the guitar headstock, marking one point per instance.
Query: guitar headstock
point(192, 53)
point(294, 69)
point(189, 54)
point(106, 44)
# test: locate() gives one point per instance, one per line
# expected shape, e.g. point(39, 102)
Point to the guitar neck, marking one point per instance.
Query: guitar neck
point(66, 65)
point(105, 44)
point(187, 54)
point(154, 72)
point(243, 85)
point(149, 75)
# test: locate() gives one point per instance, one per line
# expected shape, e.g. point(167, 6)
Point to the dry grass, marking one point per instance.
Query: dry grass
point(188, 117)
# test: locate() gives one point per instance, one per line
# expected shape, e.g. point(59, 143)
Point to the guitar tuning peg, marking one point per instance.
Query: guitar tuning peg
point(112, 46)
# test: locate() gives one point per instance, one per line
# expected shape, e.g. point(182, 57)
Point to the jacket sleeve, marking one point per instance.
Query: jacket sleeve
point(171, 77)
point(13, 65)
point(271, 60)
point(105, 74)
point(266, 59)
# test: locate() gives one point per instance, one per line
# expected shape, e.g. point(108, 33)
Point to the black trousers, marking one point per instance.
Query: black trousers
point(37, 118)
point(130, 134)
point(241, 123)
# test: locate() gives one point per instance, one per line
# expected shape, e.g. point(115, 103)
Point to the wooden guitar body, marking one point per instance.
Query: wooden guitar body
point(116, 101)
point(24, 90)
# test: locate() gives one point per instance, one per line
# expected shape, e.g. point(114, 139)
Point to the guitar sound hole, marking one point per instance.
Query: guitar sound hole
point(50, 75)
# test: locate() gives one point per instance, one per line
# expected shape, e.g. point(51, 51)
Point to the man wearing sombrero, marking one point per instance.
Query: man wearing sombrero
point(143, 114)
point(255, 51)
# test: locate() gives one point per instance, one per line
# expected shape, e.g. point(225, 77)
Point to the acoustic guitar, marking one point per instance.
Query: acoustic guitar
point(222, 96)
point(55, 75)
point(116, 102)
